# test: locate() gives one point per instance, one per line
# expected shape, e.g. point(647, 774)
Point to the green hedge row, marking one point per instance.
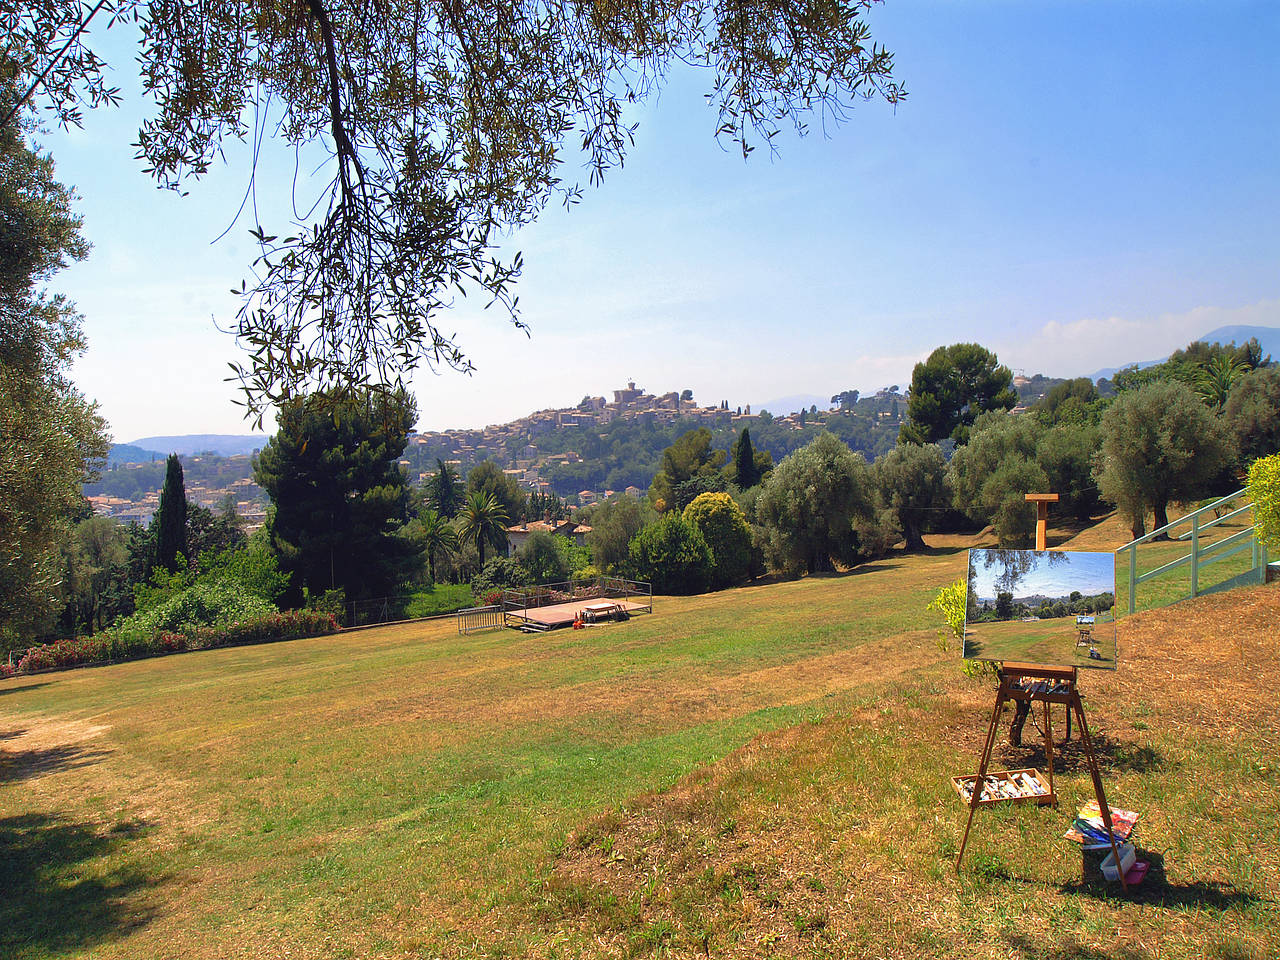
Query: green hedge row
point(111, 645)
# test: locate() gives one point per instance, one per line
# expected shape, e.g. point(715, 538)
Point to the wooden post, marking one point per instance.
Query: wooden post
point(1042, 501)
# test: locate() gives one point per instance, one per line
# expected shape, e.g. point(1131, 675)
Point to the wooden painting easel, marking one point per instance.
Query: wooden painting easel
point(1029, 682)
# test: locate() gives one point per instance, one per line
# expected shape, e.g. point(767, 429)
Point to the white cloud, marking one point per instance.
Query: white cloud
point(1080, 347)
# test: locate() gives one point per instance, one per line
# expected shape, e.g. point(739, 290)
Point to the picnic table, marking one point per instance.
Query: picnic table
point(600, 610)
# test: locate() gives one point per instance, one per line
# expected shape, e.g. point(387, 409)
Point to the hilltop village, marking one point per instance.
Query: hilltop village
point(583, 454)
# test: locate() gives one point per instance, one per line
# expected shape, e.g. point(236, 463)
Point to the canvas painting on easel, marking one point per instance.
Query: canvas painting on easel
point(1050, 607)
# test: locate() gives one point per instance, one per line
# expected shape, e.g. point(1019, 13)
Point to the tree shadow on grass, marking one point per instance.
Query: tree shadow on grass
point(8, 688)
point(16, 765)
point(1069, 756)
point(1157, 891)
point(60, 889)
point(1063, 946)
point(930, 551)
point(1066, 947)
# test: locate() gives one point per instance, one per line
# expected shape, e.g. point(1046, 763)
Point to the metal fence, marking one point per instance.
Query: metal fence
point(518, 599)
point(569, 591)
point(480, 618)
point(365, 613)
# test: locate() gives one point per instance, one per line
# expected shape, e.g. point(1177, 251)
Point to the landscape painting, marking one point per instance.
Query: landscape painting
point(1049, 607)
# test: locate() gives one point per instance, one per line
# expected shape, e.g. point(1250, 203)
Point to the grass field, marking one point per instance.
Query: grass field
point(759, 772)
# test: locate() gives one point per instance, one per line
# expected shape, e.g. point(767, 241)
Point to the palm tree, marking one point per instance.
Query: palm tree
point(446, 490)
point(435, 535)
point(1214, 380)
point(483, 520)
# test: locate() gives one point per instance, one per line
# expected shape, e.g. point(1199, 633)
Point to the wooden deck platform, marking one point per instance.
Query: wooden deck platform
point(563, 614)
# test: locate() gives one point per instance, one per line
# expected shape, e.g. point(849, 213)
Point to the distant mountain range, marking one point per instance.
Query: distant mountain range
point(147, 449)
point(793, 404)
point(223, 444)
point(1268, 337)
point(128, 453)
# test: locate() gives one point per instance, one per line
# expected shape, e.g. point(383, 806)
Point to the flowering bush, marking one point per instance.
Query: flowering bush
point(136, 642)
point(1264, 490)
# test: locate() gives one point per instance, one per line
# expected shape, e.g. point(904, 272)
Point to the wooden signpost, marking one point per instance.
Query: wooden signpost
point(1042, 501)
point(1028, 683)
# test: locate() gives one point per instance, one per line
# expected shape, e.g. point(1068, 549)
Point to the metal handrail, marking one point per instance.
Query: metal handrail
point(480, 618)
point(1198, 557)
point(1190, 516)
point(1222, 519)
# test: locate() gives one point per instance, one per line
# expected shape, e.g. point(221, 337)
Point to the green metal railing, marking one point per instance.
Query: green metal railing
point(1202, 555)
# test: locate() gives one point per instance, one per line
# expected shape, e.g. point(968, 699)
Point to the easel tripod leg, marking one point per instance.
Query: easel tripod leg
point(982, 768)
point(1048, 749)
point(1097, 781)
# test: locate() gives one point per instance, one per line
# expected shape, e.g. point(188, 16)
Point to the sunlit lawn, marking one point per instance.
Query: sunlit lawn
point(408, 792)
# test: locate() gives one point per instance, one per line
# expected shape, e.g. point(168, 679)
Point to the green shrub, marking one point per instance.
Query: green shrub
point(332, 602)
point(1264, 491)
point(500, 572)
point(672, 555)
point(722, 524)
point(203, 604)
point(253, 568)
point(545, 558)
point(138, 642)
point(950, 603)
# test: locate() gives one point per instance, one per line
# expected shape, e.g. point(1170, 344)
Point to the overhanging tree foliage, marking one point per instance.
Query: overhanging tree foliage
point(443, 124)
point(340, 498)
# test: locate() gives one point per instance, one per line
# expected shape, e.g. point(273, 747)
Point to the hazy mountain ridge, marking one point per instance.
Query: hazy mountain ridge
point(1268, 337)
point(223, 444)
point(233, 444)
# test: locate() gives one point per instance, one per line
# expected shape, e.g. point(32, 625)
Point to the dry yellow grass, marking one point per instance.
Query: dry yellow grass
point(759, 772)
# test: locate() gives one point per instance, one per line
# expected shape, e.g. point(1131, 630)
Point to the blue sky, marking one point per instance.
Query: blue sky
point(1074, 185)
point(1090, 573)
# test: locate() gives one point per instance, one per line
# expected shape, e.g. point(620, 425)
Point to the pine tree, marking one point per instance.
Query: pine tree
point(171, 518)
point(341, 502)
point(744, 461)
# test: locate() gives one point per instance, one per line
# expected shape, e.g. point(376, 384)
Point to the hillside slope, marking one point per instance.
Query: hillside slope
point(757, 772)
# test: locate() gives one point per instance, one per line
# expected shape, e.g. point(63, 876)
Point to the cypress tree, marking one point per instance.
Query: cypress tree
point(171, 518)
point(744, 461)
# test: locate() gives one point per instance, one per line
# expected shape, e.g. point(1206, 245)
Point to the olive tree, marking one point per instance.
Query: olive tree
point(1160, 443)
point(993, 472)
point(1253, 412)
point(912, 482)
point(809, 505)
point(52, 439)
